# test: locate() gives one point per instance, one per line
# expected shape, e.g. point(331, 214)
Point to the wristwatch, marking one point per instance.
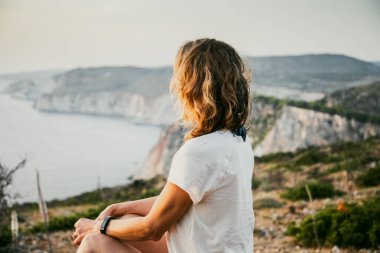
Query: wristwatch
point(105, 223)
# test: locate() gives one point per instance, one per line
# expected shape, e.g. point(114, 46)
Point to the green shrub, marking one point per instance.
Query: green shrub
point(148, 193)
point(369, 178)
point(318, 190)
point(315, 173)
point(357, 226)
point(5, 235)
point(292, 229)
point(255, 183)
point(91, 197)
point(67, 222)
point(312, 156)
point(275, 157)
point(345, 112)
point(266, 203)
point(138, 189)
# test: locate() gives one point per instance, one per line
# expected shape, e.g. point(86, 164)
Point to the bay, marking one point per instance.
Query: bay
point(73, 153)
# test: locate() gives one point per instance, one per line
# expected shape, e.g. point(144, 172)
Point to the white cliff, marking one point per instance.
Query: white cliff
point(134, 107)
point(26, 90)
point(288, 129)
point(298, 128)
point(159, 159)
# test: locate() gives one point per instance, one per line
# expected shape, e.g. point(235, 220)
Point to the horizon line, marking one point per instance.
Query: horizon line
point(19, 72)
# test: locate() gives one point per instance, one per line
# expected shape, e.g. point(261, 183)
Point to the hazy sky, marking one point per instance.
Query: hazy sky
point(51, 34)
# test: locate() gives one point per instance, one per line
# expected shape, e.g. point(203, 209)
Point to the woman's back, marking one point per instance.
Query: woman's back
point(215, 169)
point(206, 205)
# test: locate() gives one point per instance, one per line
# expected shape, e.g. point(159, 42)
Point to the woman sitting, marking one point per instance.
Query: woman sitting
point(206, 204)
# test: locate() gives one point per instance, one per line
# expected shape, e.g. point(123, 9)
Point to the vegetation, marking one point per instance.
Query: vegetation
point(6, 177)
point(314, 163)
point(273, 181)
point(348, 156)
point(255, 183)
point(343, 109)
point(345, 112)
point(266, 203)
point(139, 189)
point(318, 190)
point(67, 222)
point(5, 236)
point(352, 225)
point(370, 177)
point(318, 72)
point(364, 99)
point(276, 157)
point(292, 229)
point(276, 102)
point(348, 225)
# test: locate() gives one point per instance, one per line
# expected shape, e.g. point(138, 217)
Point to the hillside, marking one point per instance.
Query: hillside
point(22, 90)
point(130, 79)
point(364, 99)
point(313, 72)
point(142, 94)
point(33, 75)
point(275, 127)
point(279, 125)
point(334, 173)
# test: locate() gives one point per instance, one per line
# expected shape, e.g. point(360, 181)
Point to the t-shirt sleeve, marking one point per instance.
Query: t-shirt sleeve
point(197, 173)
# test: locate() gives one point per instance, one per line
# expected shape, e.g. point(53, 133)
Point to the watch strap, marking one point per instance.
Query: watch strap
point(105, 223)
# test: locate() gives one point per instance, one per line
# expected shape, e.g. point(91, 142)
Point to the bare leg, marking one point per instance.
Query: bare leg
point(103, 243)
point(93, 243)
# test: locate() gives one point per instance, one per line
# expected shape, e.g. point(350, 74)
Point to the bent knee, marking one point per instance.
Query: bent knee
point(91, 242)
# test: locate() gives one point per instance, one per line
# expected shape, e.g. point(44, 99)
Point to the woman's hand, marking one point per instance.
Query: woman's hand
point(84, 227)
point(108, 211)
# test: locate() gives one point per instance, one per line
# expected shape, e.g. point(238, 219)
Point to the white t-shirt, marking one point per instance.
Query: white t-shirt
point(216, 171)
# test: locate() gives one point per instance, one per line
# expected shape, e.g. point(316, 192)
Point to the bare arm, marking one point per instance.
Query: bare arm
point(168, 208)
point(141, 207)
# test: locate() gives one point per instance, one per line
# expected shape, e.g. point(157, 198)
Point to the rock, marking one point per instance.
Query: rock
point(299, 128)
point(335, 249)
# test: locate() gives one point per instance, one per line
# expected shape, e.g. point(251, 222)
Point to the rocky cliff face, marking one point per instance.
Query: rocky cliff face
point(142, 94)
point(25, 90)
point(159, 158)
point(275, 128)
point(140, 107)
point(135, 107)
point(298, 128)
point(363, 99)
point(138, 94)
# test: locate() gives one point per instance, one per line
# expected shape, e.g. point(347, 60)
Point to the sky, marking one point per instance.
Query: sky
point(64, 34)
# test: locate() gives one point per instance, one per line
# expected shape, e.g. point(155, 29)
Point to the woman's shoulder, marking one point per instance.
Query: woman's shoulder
point(208, 145)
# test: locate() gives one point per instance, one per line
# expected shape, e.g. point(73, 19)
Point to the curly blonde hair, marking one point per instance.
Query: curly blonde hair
point(212, 84)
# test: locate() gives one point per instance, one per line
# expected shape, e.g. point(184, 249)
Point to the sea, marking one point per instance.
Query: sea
point(72, 153)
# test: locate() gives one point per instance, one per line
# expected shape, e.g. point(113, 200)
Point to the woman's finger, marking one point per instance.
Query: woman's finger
point(75, 235)
point(78, 240)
